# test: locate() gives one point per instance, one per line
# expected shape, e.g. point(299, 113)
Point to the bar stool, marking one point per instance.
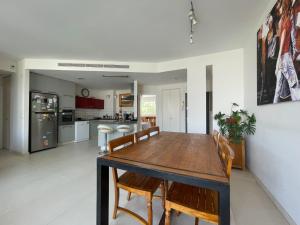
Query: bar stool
point(124, 129)
point(105, 130)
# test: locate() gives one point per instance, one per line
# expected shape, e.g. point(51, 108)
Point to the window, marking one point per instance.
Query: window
point(148, 105)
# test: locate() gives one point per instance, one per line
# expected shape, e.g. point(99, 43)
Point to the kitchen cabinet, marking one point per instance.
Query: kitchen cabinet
point(67, 101)
point(94, 129)
point(89, 103)
point(66, 134)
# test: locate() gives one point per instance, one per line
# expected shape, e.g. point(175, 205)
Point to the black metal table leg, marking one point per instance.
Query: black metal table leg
point(162, 219)
point(224, 205)
point(102, 194)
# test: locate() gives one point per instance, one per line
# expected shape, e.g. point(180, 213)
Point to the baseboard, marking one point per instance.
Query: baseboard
point(286, 215)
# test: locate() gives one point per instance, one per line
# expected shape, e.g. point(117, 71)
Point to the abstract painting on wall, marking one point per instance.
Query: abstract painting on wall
point(278, 54)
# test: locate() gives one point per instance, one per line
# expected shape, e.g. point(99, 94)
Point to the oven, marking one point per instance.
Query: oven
point(67, 117)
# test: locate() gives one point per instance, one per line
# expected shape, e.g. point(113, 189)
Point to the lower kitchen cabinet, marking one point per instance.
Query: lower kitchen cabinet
point(94, 129)
point(66, 134)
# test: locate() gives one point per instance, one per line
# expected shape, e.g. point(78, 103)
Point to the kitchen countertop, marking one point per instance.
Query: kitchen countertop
point(109, 121)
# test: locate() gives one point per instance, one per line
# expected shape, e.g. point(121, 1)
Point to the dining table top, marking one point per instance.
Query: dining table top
point(193, 155)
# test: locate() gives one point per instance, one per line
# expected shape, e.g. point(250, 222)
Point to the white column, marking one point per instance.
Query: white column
point(20, 109)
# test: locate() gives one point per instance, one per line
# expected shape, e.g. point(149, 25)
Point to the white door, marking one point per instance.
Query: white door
point(171, 110)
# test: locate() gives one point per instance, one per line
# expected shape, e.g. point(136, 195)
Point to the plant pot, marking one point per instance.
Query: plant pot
point(239, 158)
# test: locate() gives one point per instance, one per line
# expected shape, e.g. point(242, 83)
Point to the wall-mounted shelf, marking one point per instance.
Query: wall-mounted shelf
point(125, 100)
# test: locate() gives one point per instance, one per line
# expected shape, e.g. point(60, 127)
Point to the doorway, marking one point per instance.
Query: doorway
point(209, 99)
point(148, 111)
point(171, 110)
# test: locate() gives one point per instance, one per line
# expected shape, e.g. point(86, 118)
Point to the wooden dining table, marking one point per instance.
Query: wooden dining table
point(185, 158)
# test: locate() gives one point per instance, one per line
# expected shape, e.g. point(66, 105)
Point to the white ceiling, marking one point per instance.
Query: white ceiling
point(122, 30)
point(97, 81)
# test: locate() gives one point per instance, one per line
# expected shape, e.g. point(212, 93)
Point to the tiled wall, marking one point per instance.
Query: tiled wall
point(91, 113)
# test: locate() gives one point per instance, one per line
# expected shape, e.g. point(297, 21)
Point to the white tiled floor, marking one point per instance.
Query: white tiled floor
point(58, 187)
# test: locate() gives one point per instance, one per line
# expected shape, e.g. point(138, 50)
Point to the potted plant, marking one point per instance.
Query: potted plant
point(235, 127)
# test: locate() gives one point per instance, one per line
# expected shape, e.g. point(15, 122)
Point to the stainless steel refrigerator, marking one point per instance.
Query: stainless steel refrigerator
point(43, 121)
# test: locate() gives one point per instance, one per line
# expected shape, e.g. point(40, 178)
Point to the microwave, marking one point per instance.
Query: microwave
point(67, 117)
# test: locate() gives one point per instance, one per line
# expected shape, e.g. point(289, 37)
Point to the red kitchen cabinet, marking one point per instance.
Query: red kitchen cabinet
point(89, 103)
point(99, 104)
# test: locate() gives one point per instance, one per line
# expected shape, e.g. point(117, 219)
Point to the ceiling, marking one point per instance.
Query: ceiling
point(128, 30)
point(97, 81)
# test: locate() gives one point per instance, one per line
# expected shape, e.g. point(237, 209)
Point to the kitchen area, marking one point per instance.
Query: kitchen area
point(66, 110)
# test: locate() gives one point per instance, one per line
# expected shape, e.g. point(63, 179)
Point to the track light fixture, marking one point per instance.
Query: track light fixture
point(193, 21)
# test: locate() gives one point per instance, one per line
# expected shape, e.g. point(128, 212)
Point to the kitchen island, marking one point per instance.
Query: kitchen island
point(113, 124)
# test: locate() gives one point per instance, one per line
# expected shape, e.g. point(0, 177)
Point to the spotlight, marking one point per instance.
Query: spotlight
point(193, 21)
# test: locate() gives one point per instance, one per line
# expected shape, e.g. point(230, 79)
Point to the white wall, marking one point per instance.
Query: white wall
point(158, 91)
point(273, 153)
point(7, 65)
point(50, 85)
point(227, 78)
point(1, 113)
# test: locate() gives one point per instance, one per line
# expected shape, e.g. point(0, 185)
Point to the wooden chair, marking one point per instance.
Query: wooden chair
point(142, 135)
point(216, 136)
point(139, 136)
point(133, 183)
point(202, 203)
point(222, 141)
point(154, 131)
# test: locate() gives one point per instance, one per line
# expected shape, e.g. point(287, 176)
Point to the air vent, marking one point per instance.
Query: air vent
point(116, 66)
point(115, 76)
point(94, 65)
point(71, 64)
point(89, 65)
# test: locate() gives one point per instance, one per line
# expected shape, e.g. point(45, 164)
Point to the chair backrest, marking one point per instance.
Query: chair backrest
point(117, 144)
point(216, 136)
point(142, 135)
point(154, 131)
point(227, 155)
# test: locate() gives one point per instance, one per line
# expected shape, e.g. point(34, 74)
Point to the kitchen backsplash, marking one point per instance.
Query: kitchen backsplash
point(91, 113)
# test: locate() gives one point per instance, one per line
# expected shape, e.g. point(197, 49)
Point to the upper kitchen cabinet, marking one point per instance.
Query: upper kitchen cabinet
point(89, 103)
point(67, 101)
